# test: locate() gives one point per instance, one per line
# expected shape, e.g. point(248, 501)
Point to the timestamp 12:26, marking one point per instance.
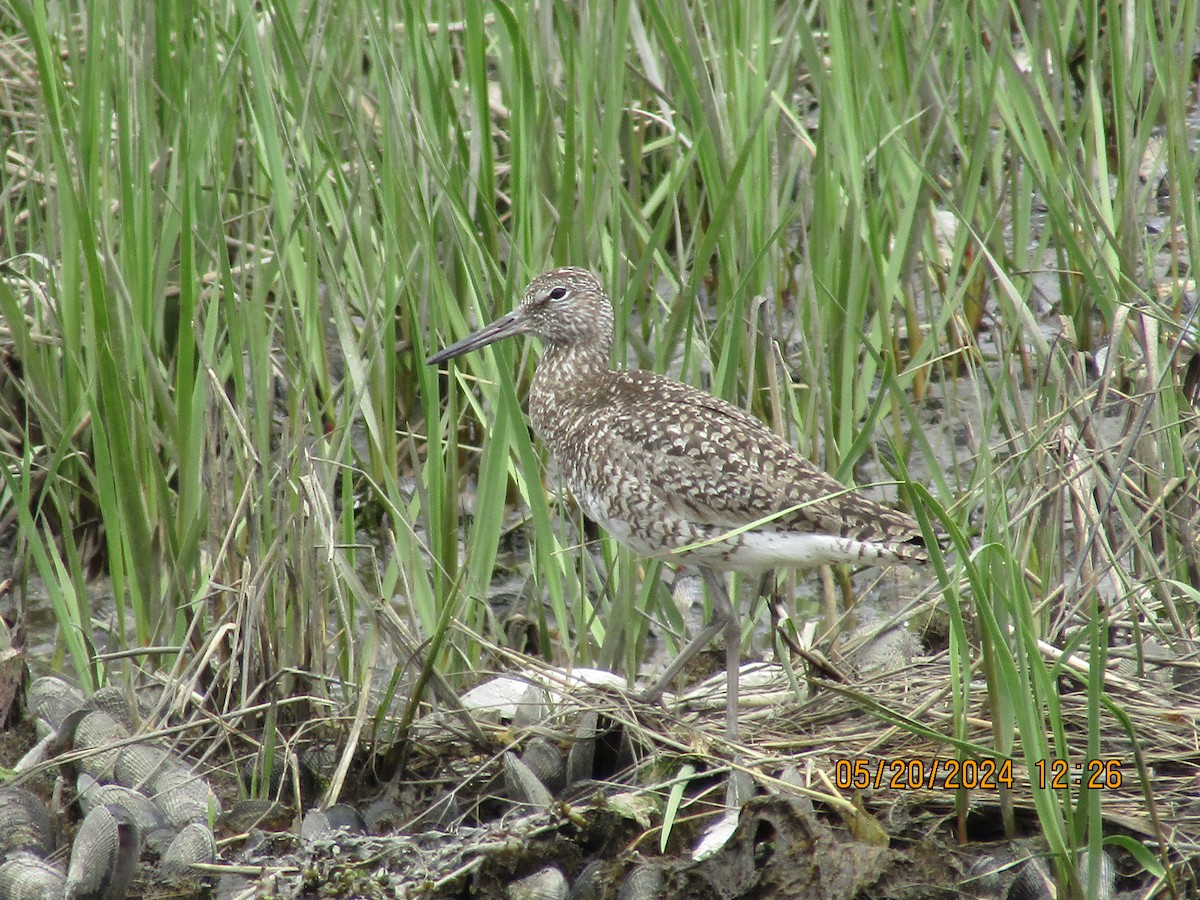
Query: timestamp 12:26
point(953, 774)
point(1093, 774)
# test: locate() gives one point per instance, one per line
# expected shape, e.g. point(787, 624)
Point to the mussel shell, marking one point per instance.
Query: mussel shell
point(138, 764)
point(593, 882)
point(522, 785)
point(545, 884)
point(25, 823)
point(644, 882)
point(183, 796)
point(442, 812)
point(495, 700)
point(384, 814)
point(533, 707)
point(193, 845)
point(546, 761)
point(115, 701)
point(96, 733)
point(24, 876)
point(253, 814)
point(145, 812)
point(581, 758)
point(1033, 882)
point(104, 856)
point(328, 824)
point(1106, 888)
point(51, 700)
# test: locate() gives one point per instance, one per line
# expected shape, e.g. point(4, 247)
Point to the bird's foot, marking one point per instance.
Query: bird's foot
point(651, 696)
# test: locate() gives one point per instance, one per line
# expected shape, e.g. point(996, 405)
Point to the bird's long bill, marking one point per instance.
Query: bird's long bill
point(505, 326)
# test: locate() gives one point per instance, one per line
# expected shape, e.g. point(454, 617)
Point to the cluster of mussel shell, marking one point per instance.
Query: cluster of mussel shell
point(548, 770)
point(138, 801)
point(645, 881)
point(543, 773)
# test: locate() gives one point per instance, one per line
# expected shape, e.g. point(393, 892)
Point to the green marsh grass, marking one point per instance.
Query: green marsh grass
point(232, 232)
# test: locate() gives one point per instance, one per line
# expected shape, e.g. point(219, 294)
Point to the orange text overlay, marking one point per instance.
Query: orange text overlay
point(911, 774)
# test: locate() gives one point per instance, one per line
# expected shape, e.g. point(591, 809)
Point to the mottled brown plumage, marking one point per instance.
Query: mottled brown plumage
point(671, 470)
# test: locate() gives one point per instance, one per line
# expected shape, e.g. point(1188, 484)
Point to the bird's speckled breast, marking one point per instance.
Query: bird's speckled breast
point(584, 435)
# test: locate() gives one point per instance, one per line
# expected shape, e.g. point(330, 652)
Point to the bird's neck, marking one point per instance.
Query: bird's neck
point(568, 367)
point(566, 376)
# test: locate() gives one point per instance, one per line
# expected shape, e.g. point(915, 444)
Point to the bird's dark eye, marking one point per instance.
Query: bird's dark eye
point(558, 293)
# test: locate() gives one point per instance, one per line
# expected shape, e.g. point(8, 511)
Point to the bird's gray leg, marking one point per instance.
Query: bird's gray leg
point(723, 609)
point(739, 788)
point(722, 612)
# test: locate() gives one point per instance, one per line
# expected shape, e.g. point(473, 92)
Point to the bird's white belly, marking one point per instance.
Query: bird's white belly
point(756, 552)
point(674, 539)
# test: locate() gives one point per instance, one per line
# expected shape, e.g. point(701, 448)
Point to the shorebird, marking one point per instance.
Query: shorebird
point(678, 474)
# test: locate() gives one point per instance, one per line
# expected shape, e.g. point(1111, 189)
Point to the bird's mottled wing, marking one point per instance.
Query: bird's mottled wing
point(721, 466)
